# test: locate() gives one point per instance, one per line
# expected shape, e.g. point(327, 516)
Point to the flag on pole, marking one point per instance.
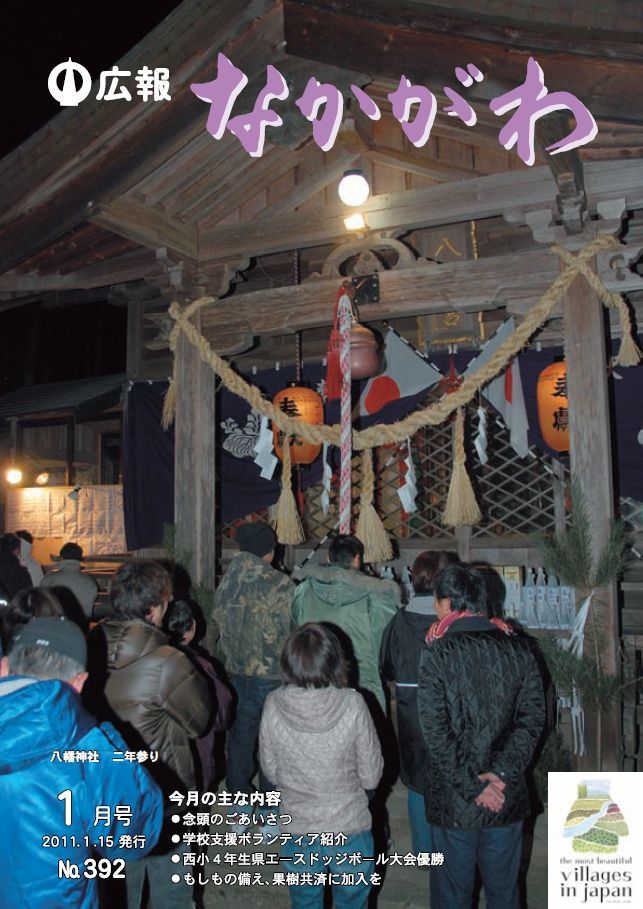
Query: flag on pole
point(405, 373)
point(504, 393)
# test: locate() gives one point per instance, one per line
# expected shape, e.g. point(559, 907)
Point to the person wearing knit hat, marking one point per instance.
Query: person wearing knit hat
point(252, 608)
point(256, 537)
point(55, 635)
point(51, 748)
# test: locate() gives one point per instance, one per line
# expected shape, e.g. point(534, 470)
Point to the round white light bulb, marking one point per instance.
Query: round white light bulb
point(353, 188)
point(14, 476)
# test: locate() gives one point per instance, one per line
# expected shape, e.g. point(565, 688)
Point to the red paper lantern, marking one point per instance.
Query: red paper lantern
point(553, 407)
point(303, 404)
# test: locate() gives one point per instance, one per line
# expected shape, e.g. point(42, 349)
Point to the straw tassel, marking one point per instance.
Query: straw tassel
point(370, 530)
point(287, 523)
point(628, 353)
point(169, 405)
point(461, 507)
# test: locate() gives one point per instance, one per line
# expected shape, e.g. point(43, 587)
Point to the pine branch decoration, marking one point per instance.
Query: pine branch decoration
point(569, 555)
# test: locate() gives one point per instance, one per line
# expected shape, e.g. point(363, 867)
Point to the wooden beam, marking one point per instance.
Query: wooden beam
point(567, 169)
point(483, 197)
point(612, 30)
point(468, 286)
point(342, 32)
point(148, 226)
point(515, 282)
point(129, 267)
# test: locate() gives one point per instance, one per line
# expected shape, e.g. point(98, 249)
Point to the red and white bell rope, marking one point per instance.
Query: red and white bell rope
point(345, 317)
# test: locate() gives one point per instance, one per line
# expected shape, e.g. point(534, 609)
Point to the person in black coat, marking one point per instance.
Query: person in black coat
point(402, 647)
point(482, 710)
point(13, 577)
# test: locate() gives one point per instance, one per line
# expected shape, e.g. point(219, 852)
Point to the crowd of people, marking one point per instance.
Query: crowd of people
point(103, 723)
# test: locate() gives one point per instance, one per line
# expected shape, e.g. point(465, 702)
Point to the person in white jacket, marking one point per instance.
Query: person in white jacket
point(27, 560)
point(319, 748)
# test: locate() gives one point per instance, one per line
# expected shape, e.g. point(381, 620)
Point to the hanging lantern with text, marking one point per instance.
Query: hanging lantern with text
point(553, 408)
point(304, 404)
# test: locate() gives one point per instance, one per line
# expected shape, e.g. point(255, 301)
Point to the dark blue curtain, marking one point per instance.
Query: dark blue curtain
point(148, 451)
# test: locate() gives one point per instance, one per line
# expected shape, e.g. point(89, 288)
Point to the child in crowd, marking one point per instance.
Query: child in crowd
point(319, 748)
point(181, 625)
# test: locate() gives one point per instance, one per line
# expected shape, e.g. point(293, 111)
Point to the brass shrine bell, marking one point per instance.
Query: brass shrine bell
point(365, 352)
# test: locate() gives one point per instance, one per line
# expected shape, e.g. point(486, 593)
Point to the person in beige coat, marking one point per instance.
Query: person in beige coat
point(319, 748)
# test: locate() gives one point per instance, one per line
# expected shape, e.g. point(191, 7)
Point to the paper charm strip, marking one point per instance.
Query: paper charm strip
point(327, 476)
point(480, 441)
point(408, 491)
point(574, 644)
point(264, 457)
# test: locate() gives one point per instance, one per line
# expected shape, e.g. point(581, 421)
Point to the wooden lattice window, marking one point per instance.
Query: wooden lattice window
point(516, 495)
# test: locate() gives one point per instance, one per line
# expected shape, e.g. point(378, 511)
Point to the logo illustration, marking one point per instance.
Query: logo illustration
point(69, 95)
point(595, 820)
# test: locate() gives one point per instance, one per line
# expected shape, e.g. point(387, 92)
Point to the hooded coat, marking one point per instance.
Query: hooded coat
point(158, 697)
point(39, 721)
point(319, 748)
point(358, 605)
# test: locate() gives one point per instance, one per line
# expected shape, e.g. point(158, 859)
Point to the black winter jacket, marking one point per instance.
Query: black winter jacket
point(482, 709)
point(13, 577)
point(402, 647)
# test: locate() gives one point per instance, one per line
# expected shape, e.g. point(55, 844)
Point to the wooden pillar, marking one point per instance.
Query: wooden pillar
point(134, 334)
point(591, 466)
point(194, 471)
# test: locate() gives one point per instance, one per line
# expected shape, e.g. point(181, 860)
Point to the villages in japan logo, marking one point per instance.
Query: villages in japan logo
point(597, 829)
point(595, 821)
point(322, 104)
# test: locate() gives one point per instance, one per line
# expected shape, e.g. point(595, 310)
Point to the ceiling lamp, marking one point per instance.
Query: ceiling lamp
point(355, 222)
point(353, 188)
point(42, 479)
point(14, 476)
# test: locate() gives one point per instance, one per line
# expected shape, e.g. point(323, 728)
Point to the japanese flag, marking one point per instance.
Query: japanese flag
point(504, 393)
point(405, 373)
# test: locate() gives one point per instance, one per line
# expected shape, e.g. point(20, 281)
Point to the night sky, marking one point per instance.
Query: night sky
point(44, 344)
point(37, 36)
